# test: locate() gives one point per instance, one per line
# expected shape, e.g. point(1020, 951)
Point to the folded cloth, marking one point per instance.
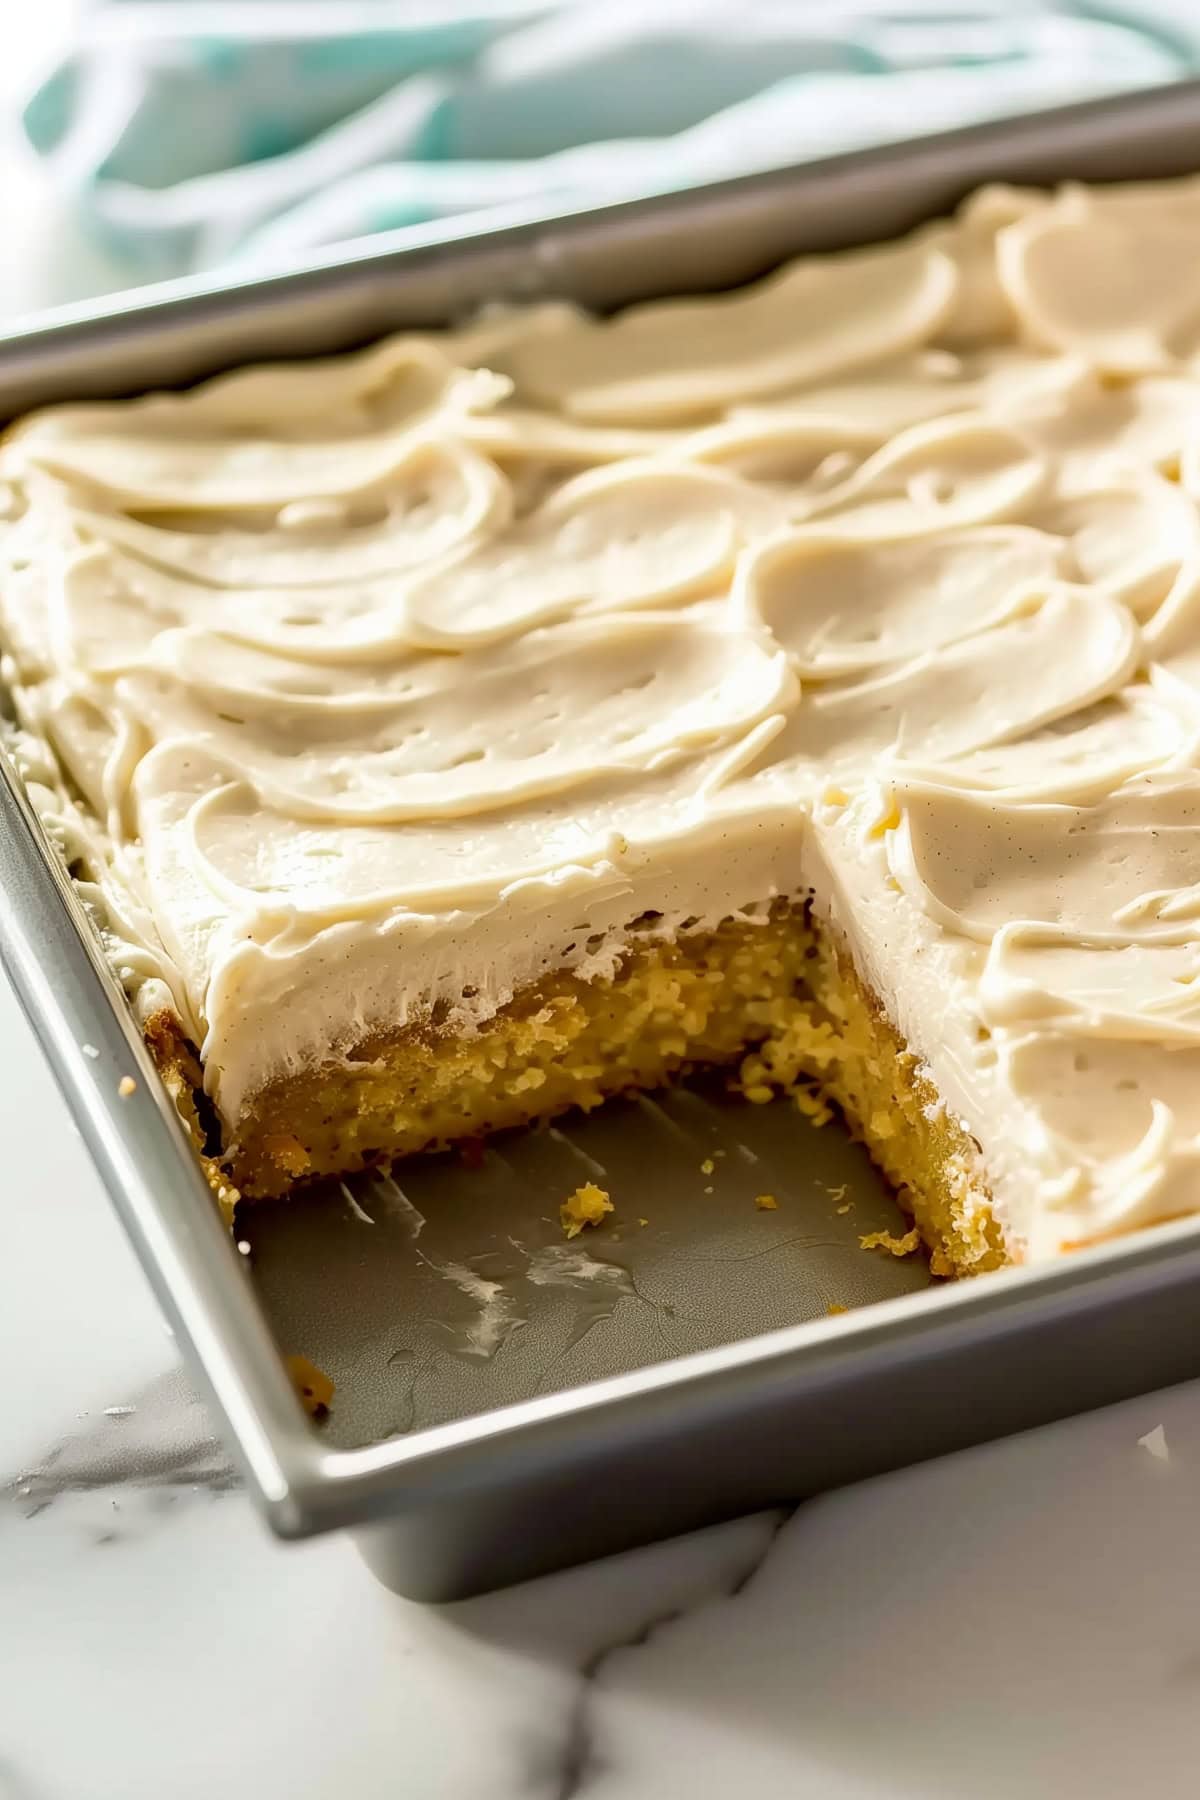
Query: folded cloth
point(195, 132)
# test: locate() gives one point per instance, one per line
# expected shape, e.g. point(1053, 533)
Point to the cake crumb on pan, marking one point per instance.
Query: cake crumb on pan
point(588, 1205)
point(907, 1245)
point(312, 1385)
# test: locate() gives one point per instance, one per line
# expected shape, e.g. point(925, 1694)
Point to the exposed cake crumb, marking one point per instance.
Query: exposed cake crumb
point(643, 1221)
point(588, 1205)
point(707, 1166)
point(907, 1245)
point(836, 1194)
point(766, 1203)
point(813, 1104)
point(312, 1384)
point(833, 1309)
point(288, 1152)
point(126, 1086)
point(887, 820)
point(843, 1209)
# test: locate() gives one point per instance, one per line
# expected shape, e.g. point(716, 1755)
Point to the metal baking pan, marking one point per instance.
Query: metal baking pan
point(507, 1402)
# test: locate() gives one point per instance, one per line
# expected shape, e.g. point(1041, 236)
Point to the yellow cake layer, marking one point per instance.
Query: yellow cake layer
point(563, 1042)
point(839, 1042)
point(774, 1000)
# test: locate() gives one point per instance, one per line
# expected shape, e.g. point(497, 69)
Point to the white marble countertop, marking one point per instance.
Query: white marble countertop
point(1022, 1620)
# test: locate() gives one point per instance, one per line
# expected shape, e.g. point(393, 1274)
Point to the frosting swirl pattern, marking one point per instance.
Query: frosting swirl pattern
point(399, 677)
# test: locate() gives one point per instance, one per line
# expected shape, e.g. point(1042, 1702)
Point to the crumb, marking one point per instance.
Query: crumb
point(843, 1210)
point(312, 1384)
point(90, 1050)
point(813, 1104)
point(643, 1221)
point(1156, 1443)
point(766, 1203)
point(707, 1166)
point(586, 1206)
point(833, 1309)
point(288, 1152)
point(907, 1245)
point(836, 1194)
point(243, 1245)
point(126, 1086)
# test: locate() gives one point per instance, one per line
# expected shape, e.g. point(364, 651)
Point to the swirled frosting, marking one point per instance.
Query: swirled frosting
point(388, 682)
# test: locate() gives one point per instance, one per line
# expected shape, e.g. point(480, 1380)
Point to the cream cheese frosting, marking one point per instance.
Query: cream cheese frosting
point(394, 680)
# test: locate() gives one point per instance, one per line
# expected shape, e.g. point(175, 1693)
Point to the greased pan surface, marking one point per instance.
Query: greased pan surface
point(508, 1403)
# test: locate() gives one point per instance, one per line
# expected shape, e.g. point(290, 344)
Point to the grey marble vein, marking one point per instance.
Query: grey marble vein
point(580, 1762)
point(161, 1439)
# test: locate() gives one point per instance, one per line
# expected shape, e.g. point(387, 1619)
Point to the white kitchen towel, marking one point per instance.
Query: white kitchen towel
point(193, 132)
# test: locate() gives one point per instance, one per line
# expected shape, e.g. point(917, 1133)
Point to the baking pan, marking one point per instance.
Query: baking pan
point(508, 1402)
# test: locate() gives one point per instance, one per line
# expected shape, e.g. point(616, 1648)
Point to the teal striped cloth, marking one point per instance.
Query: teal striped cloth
point(195, 132)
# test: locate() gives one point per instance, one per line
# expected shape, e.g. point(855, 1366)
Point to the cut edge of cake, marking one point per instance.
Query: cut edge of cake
point(775, 1001)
